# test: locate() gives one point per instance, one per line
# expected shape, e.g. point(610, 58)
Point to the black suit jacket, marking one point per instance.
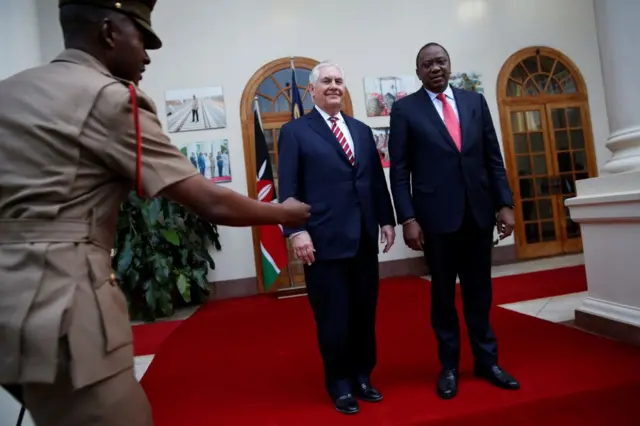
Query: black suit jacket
point(431, 180)
point(313, 168)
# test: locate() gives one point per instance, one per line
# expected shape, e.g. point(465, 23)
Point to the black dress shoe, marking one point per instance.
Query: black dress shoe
point(346, 404)
point(498, 377)
point(448, 383)
point(367, 393)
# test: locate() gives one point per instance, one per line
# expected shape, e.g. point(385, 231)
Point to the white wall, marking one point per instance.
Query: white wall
point(225, 43)
point(19, 36)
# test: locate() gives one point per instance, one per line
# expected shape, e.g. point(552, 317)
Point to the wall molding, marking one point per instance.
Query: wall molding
point(610, 310)
point(605, 325)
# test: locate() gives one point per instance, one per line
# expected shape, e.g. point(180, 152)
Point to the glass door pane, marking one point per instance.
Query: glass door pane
point(534, 169)
point(570, 160)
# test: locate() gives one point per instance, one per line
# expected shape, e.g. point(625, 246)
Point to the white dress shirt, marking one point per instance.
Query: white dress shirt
point(342, 125)
point(438, 103)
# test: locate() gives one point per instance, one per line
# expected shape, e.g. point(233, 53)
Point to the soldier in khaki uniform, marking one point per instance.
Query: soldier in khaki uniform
point(68, 157)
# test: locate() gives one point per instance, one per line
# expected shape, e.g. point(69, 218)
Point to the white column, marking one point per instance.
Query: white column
point(618, 37)
point(19, 36)
point(608, 207)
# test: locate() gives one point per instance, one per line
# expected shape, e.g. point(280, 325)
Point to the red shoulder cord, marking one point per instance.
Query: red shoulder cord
point(136, 123)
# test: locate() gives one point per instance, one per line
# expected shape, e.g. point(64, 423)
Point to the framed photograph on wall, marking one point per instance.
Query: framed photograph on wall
point(467, 80)
point(381, 136)
point(210, 158)
point(381, 92)
point(195, 109)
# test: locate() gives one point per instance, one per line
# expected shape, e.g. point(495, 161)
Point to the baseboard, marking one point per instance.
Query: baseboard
point(414, 266)
point(608, 319)
point(229, 289)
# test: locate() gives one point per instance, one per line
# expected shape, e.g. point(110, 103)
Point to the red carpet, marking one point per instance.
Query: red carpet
point(148, 337)
point(254, 361)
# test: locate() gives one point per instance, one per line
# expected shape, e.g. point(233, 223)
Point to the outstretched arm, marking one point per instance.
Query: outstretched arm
point(167, 172)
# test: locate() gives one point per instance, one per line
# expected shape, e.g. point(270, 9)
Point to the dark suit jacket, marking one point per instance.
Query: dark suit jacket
point(431, 180)
point(313, 168)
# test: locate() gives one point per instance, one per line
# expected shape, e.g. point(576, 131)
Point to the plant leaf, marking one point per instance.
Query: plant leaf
point(183, 288)
point(172, 236)
point(125, 256)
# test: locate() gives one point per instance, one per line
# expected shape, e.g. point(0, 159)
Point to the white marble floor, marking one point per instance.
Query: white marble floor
point(554, 309)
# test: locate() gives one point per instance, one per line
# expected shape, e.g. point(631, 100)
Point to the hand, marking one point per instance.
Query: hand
point(303, 247)
point(295, 213)
point(388, 236)
point(506, 222)
point(413, 236)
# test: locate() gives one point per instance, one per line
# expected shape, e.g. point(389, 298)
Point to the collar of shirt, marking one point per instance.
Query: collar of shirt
point(82, 58)
point(326, 116)
point(447, 92)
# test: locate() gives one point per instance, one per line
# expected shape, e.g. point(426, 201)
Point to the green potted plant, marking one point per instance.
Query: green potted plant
point(161, 256)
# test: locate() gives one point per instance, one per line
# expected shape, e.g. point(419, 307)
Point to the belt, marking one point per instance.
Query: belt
point(16, 231)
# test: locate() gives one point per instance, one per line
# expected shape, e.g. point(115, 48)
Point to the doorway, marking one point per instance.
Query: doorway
point(548, 145)
point(271, 85)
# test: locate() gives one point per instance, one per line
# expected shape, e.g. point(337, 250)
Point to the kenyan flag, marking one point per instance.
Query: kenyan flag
point(273, 247)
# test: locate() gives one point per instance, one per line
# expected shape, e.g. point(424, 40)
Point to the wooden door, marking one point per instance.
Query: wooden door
point(572, 161)
point(548, 146)
point(293, 276)
point(537, 210)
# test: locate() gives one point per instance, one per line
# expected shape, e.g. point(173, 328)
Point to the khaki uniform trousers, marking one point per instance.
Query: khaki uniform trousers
point(116, 401)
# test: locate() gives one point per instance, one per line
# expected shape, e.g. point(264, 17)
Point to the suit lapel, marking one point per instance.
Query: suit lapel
point(435, 119)
point(316, 122)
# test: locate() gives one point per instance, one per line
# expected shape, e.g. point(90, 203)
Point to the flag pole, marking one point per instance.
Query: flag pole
point(293, 69)
point(256, 105)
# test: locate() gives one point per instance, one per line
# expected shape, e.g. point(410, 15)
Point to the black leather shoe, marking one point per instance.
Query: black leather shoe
point(498, 377)
point(366, 392)
point(346, 404)
point(448, 383)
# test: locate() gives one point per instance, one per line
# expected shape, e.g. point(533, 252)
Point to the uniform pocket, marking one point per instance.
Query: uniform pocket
point(111, 301)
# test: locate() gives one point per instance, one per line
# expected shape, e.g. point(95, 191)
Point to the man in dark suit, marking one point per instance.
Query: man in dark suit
point(330, 161)
point(449, 183)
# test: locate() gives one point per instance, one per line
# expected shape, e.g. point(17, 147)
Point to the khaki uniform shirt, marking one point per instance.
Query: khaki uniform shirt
point(67, 161)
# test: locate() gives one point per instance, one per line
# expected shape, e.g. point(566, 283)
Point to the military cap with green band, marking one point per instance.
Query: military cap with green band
point(138, 10)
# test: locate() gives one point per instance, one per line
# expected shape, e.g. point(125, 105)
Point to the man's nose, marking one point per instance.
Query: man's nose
point(147, 59)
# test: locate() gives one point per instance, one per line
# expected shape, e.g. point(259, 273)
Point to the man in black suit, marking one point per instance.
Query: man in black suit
point(448, 183)
point(330, 161)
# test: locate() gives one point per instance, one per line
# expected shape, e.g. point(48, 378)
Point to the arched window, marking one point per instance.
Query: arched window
point(271, 84)
point(548, 145)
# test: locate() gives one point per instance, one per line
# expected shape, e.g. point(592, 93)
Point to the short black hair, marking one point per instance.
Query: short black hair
point(427, 46)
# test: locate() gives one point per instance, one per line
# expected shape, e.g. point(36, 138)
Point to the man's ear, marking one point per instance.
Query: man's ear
point(107, 32)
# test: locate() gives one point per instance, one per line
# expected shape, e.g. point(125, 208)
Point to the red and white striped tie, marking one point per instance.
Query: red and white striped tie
point(342, 139)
